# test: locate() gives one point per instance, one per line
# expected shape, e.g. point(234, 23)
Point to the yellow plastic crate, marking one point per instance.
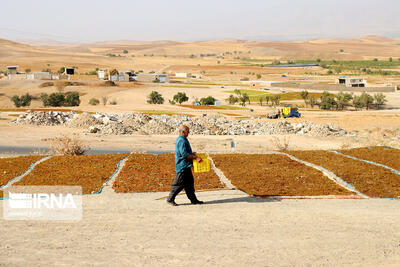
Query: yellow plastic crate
point(203, 166)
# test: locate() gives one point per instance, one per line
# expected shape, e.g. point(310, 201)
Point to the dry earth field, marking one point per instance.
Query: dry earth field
point(232, 228)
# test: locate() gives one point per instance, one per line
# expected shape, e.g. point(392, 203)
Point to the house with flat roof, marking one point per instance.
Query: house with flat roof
point(351, 81)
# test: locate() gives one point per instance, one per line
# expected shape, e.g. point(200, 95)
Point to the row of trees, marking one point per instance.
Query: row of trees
point(342, 100)
point(181, 97)
point(69, 99)
point(243, 98)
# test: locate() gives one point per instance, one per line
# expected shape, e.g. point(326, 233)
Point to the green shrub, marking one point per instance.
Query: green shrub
point(94, 101)
point(72, 99)
point(23, 101)
point(155, 98)
point(180, 97)
point(113, 102)
point(327, 101)
point(209, 100)
point(59, 99)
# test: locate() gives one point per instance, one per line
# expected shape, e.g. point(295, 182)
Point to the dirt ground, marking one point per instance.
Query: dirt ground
point(231, 229)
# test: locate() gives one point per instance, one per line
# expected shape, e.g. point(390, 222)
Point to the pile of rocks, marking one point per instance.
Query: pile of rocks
point(126, 124)
point(49, 118)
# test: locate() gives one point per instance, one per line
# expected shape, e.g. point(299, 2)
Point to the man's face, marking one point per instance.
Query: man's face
point(185, 132)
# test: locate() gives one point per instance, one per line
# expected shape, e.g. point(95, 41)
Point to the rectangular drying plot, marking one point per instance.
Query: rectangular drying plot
point(275, 175)
point(13, 167)
point(379, 154)
point(88, 171)
point(371, 180)
point(156, 173)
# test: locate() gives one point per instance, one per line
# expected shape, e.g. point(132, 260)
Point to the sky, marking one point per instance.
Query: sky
point(148, 20)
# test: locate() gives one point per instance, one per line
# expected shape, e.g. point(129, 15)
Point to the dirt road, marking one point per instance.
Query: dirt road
point(231, 229)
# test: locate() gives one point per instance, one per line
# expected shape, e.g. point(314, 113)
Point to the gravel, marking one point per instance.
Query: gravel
point(137, 123)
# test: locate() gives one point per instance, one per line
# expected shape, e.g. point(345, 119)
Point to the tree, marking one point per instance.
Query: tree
point(72, 99)
point(343, 100)
point(276, 99)
point(61, 70)
point(94, 101)
point(209, 100)
point(366, 100)
point(259, 76)
point(312, 101)
point(125, 51)
point(318, 60)
point(260, 99)
point(23, 101)
point(180, 97)
point(357, 102)
point(243, 99)
point(267, 98)
point(237, 92)
point(390, 59)
point(327, 101)
point(232, 99)
point(155, 98)
point(304, 96)
point(28, 70)
point(379, 100)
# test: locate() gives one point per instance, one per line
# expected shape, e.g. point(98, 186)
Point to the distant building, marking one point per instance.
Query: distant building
point(40, 75)
point(102, 74)
point(260, 83)
point(69, 71)
point(12, 70)
point(351, 81)
point(183, 75)
point(151, 77)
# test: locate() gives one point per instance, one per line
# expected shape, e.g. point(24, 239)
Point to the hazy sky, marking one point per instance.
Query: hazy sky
point(102, 20)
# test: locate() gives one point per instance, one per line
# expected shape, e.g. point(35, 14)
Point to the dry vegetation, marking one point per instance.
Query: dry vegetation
point(367, 178)
point(89, 171)
point(69, 146)
point(275, 175)
point(155, 173)
point(13, 167)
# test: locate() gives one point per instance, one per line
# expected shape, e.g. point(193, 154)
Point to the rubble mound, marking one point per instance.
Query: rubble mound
point(137, 123)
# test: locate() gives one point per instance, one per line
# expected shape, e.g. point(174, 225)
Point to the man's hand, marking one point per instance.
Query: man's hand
point(199, 159)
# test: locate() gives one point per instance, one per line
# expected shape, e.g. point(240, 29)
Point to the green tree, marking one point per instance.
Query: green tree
point(125, 51)
point(343, 100)
point(261, 99)
point(366, 100)
point(379, 100)
point(61, 70)
point(312, 101)
point(94, 101)
point(267, 98)
point(23, 101)
point(390, 59)
point(155, 98)
point(304, 96)
point(232, 99)
point(180, 97)
point(259, 76)
point(72, 99)
point(244, 98)
point(209, 100)
point(357, 102)
point(327, 101)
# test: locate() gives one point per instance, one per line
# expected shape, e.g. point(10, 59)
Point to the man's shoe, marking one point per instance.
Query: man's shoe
point(172, 203)
point(197, 202)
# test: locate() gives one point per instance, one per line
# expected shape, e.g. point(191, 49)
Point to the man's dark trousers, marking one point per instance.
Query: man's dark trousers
point(183, 180)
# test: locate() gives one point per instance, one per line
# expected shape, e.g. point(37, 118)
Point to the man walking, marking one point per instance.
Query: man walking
point(183, 163)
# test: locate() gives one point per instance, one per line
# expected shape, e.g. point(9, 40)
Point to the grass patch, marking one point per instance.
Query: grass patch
point(161, 112)
point(185, 86)
point(214, 107)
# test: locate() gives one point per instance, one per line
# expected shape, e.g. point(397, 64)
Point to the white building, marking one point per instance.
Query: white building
point(183, 75)
point(351, 81)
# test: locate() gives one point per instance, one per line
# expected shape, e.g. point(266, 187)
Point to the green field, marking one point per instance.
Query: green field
point(185, 86)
